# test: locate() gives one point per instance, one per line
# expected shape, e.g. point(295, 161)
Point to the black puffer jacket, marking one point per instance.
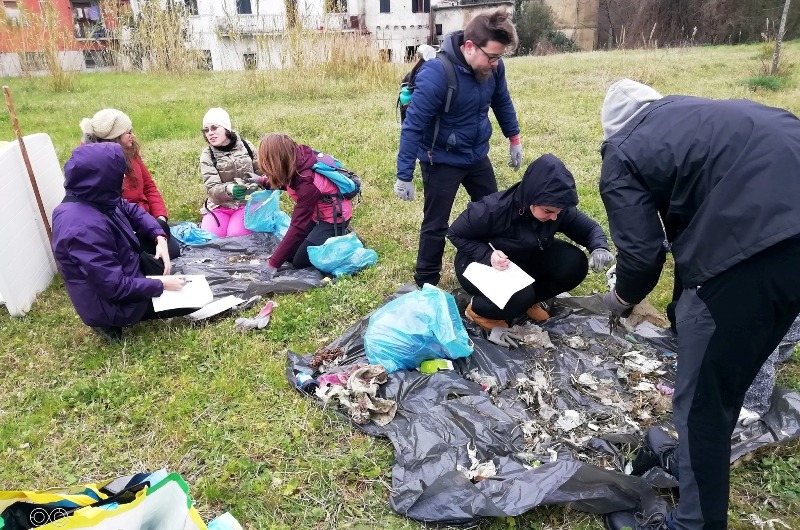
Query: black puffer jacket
point(719, 179)
point(504, 218)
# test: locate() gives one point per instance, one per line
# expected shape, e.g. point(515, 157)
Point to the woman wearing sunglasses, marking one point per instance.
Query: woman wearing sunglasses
point(519, 225)
point(227, 165)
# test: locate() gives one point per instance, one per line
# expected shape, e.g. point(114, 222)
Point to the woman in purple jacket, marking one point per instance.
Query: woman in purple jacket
point(93, 235)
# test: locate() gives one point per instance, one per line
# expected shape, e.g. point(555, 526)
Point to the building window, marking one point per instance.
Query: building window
point(205, 60)
point(191, 6)
point(243, 7)
point(438, 29)
point(420, 6)
point(98, 58)
point(385, 8)
point(337, 6)
point(250, 61)
point(11, 11)
point(32, 61)
point(86, 19)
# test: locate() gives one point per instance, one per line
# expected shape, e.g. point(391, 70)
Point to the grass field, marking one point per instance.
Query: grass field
point(213, 404)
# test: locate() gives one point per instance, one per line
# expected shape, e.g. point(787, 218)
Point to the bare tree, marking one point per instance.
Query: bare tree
point(779, 39)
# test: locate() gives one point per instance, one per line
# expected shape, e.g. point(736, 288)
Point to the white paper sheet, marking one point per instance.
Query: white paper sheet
point(496, 285)
point(196, 293)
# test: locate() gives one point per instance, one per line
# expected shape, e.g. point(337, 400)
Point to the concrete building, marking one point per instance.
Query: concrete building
point(77, 32)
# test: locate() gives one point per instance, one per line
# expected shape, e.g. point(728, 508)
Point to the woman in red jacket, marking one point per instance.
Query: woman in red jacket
point(320, 211)
point(138, 186)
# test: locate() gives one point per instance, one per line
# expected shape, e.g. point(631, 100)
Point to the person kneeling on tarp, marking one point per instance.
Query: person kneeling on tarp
point(95, 245)
point(519, 225)
point(321, 211)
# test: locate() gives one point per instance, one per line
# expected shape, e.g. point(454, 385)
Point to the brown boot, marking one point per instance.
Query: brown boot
point(485, 323)
point(537, 314)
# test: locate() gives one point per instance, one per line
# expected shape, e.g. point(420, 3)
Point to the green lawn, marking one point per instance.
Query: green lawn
point(213, 404)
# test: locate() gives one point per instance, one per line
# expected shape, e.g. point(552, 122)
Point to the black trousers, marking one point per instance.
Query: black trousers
point(441, 183)
point(149, 246)
point(727, 328)
point(557, 268)
point(318, 235)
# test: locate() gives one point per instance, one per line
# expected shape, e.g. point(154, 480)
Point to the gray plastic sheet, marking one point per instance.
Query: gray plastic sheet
point(233, 266)
point(481, 411)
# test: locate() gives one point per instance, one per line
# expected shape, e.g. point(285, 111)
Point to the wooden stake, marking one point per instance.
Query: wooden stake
point(15, 123)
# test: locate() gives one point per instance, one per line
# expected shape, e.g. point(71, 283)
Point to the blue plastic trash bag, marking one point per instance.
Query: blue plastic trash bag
point(189, 233)
point(416, 327)
point(342, 255)
point(263, 213)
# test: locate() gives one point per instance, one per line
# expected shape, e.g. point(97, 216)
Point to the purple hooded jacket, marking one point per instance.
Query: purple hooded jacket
point(99, 266)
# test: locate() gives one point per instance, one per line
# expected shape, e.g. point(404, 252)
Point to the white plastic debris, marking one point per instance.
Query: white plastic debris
point(568, 420)
point(639, 363)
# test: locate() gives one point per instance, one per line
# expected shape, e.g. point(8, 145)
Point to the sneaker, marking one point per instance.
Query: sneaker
point(109, 334)
point(658, 450)
point(486, 323)
point(537, 313)
point(636, 521)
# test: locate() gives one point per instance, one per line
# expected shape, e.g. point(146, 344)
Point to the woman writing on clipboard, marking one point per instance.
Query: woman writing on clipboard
point(519, 225)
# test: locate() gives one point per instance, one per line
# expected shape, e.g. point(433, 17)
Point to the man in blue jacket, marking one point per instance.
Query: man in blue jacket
point(717, 182)
point(459, 153)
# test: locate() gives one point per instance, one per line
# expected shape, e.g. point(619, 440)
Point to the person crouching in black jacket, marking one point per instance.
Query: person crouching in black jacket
point(519, 225)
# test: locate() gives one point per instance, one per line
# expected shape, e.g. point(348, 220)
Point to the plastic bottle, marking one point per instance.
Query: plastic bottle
point(306, 382)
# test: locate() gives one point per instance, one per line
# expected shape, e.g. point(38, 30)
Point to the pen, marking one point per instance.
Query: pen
point(187, 280)
point(490, 244)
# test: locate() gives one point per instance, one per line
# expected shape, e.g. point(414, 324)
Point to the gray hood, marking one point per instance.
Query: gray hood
point(624, 100)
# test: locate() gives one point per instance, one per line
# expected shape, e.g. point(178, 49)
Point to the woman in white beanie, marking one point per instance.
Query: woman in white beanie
point(138, 186)
point(228, 167)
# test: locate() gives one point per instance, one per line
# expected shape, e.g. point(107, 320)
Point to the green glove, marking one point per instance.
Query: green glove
point(238, 191)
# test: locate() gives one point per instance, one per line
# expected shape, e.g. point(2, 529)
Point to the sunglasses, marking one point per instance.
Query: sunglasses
point(210, 128)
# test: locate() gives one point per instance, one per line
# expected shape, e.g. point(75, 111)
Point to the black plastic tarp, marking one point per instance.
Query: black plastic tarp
point(233, 266)
point(482, 407)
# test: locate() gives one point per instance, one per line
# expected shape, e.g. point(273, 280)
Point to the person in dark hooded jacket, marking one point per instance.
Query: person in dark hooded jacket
point(458, 154)
point(93, 231)
point(520, 224)
point(716, 181)
point(319, 213)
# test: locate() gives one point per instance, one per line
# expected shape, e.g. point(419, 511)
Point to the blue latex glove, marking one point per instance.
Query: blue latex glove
point(404, 190)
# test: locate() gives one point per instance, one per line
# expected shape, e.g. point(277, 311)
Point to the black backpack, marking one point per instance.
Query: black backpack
point(409, 84)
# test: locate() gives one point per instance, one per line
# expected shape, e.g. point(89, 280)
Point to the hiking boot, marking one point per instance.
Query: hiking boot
point(486, 323)
point(110, 334)
point(659, 450)
point(636, 521)
point(537, 313)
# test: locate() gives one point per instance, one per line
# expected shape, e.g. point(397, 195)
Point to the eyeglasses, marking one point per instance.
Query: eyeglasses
point(210, 128)
point(490, 58)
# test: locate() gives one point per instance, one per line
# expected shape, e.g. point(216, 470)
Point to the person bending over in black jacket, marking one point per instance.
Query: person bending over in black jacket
point(519, 225)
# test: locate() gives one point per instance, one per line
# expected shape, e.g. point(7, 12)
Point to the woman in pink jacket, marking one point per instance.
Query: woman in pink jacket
point(321, 212)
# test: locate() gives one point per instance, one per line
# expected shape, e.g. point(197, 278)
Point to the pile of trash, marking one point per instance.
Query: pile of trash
point(553, 422)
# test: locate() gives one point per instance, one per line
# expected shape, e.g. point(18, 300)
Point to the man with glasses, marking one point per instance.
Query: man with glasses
point(458, 155)
point(716, 179)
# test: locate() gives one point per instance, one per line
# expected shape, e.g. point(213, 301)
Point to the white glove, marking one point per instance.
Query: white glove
point(404, 190)
point(515, 151)
point(599, 258)
point(503, 337)
point(611, 277)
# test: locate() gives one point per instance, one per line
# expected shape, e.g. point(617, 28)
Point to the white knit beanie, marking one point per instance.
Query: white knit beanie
point(217, 116)
point(624, 100)
point(107, 124)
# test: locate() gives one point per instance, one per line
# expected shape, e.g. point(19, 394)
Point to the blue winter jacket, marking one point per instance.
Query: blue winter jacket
point(465, 130)
point(99, 265)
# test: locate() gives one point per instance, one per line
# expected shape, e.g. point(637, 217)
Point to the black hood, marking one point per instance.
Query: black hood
point(547, 182)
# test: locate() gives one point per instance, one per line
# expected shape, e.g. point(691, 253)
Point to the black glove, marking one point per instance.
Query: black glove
point(616, 306)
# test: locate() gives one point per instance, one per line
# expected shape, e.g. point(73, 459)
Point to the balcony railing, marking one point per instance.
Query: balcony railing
point(234, 25)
